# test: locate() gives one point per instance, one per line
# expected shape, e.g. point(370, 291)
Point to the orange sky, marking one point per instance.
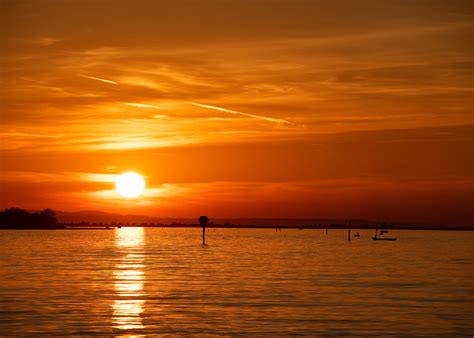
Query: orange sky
point(277, 108)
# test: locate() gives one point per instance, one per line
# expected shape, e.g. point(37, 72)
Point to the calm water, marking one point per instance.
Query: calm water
point(142, 281)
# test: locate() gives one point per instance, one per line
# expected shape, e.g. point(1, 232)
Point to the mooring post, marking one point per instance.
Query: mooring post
point(203, 220)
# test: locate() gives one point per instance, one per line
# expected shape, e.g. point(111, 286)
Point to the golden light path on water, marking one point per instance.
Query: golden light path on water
point(129, 279)
point(245, 282)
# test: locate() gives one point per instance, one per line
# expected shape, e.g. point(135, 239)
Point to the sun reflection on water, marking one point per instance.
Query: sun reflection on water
point(129, 279)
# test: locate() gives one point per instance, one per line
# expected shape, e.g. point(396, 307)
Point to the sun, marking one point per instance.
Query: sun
point(129, 185)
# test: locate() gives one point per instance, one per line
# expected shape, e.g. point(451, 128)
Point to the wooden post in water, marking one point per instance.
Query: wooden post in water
point(203, 220)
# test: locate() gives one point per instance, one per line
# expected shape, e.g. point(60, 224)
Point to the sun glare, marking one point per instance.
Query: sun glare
point(130, 185)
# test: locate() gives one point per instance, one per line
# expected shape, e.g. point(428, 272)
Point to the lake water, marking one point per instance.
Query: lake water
point(134, 281)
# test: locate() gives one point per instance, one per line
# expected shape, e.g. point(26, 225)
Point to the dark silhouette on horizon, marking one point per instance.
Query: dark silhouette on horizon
point(16, 218)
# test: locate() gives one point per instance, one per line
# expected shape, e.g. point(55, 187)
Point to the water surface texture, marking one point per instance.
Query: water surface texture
point(143, 281)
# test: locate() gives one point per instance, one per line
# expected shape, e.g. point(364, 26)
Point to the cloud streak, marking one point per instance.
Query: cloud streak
point(142, 105)
point(45, 41)
point(98, 79)
point(258, 117)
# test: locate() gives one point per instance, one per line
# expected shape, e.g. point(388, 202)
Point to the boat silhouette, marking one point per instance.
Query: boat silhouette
point(377, 238)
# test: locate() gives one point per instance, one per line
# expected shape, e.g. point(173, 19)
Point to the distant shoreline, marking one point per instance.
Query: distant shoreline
point(239, 226)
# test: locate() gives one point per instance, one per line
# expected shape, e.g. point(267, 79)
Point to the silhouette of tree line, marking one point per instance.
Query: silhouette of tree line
point(16, 218)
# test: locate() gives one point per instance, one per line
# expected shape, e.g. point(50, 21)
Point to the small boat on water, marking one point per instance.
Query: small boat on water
point(383, 231)
point(357, 235)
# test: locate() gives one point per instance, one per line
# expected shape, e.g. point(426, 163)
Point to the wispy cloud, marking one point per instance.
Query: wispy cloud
point(98, 79)
point(412, 32)
point(15, 134)
point(142, 105)
point(258, 117)
point(45, 40)
point(39, 177)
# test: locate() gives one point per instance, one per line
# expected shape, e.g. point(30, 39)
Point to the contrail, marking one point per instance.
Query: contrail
point(98, 79)
point(142, 105)
point(263, 118)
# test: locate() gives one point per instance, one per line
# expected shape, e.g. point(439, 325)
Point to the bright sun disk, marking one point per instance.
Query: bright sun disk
point(130, 185)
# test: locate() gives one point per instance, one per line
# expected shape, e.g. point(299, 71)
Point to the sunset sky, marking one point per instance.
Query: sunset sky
point(276, 108)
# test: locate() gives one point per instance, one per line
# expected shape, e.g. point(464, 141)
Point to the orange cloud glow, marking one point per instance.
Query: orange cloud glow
point(310, 109)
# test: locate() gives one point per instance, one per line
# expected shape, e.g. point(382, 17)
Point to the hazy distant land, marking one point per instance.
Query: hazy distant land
point(97, 219)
